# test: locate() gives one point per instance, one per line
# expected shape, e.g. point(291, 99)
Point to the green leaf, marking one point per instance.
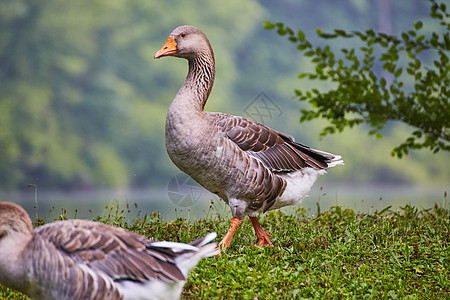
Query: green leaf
point(328, 36)
point(302, 47)
point(411, 55)
point(370, 32)
point(405, 37)
point(417, 133)
point(410, 71)
point(418, 75)
point(417, 64)
point(301, 36)
point(290, 31)
point(418, 25)
point(342, 33)
point(268, 25)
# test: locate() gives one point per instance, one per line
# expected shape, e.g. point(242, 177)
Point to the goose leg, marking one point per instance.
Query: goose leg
point(234, 224)
point(262, 236)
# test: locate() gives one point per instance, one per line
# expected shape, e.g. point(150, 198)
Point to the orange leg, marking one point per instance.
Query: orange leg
point(234, 224)
point(262, 236)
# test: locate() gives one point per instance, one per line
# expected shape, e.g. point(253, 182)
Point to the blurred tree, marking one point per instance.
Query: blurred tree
point(55, 75)
point(363, 97)
point(82, 102)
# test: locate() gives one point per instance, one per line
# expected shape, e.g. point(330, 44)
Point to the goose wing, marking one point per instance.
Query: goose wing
point(277, 151)
point(120, 254)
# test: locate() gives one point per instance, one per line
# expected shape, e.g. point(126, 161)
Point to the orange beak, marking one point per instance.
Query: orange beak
point(169, 48)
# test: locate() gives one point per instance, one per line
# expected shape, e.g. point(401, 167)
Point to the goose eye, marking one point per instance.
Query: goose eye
point(183, 35)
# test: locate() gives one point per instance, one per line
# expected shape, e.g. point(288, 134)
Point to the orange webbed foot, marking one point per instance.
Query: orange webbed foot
point(263, 239)
point(262, 236)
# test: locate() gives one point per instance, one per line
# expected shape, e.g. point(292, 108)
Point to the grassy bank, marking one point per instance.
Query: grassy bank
point(338, 254)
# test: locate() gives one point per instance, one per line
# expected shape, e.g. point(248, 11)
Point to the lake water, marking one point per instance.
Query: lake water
point(184, 198)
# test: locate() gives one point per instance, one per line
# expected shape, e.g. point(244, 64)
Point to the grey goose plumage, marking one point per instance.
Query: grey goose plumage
point(250, 166)
point(81, 259)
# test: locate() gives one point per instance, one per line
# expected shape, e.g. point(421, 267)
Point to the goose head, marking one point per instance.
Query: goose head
point(14, 221)
point(16, 231)
point(187, 42)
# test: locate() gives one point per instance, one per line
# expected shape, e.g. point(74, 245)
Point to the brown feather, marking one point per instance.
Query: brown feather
point(277, 151)
point(118, 253)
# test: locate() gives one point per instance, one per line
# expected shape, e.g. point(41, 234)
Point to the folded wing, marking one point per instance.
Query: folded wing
point(277, 151)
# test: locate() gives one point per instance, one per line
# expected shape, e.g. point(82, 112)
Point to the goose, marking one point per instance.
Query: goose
point(252, 167)
point(82, 259)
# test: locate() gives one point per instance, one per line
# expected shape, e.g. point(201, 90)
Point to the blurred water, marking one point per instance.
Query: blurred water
point(193, 202)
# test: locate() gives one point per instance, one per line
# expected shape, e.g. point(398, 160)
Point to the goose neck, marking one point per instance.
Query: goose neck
point(199, 82)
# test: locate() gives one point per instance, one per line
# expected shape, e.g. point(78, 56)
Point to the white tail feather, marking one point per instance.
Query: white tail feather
point(337, 160)
point(174, 246)
point(186, 262)
point(334, 161)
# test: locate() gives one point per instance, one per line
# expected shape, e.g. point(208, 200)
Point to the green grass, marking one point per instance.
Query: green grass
point(338, 254)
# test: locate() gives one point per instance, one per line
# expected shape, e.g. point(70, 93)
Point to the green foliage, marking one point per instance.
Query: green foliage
point(82, 101)
point(408, 90)
point(338, 254)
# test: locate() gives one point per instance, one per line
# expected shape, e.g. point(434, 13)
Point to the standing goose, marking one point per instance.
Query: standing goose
point(250, 166)
point(80, 259)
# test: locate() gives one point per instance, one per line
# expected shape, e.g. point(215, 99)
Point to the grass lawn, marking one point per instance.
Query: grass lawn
point(338, 254)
